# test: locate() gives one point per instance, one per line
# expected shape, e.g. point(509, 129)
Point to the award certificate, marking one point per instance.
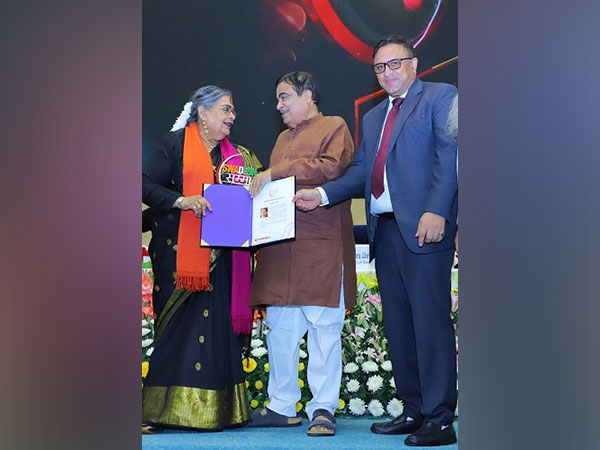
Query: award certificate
point(238, 220)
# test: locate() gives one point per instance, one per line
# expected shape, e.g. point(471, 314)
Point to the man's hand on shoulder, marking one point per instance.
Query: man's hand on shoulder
point(430, 229)
point(307, 199)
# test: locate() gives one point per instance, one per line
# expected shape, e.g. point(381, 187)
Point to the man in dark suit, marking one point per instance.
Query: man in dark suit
point(406, 166)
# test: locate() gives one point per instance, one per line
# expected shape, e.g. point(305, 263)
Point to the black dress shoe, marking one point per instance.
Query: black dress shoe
point(397, 426)
point(431, 434)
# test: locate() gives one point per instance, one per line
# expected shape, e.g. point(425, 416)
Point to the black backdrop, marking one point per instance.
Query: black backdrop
point(245, 45)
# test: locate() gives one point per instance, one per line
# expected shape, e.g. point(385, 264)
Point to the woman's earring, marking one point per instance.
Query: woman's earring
point(205, 127)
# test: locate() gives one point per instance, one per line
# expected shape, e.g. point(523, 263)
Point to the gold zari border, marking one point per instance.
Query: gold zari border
point(194, 407)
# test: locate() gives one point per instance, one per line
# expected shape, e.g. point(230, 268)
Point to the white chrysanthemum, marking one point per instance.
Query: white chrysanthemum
point(376, 408)
point(303, 354)
point(144, 323)
point(387, 365)
point(145, 331)
point(352, 386)
point(369, 366)
point(392, 383)
point(302, 341)
point(147, 342)
point(350, 367)
point(395, 407)
point(356, 406)
point(254, 331)
point(256, 343)
point(374, 383)
point(149, 351)
point(258, 352)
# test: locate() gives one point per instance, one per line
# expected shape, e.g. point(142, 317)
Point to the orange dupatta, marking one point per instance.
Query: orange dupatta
point(193, 261)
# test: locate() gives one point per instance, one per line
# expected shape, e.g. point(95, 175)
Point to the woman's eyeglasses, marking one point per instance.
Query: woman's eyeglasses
point(227, 109)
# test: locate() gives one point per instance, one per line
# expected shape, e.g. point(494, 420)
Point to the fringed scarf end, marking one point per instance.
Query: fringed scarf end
point(192, 282)
point(241, 326)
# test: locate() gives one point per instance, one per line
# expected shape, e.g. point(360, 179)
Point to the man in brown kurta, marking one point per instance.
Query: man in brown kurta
point(308, 283)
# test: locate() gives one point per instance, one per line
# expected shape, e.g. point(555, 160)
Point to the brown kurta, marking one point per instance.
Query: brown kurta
point(307, 271)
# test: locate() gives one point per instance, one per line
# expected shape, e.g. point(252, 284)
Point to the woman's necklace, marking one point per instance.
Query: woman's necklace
point(208, 142)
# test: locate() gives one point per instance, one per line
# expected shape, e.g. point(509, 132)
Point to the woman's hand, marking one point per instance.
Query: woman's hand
point(197, 203)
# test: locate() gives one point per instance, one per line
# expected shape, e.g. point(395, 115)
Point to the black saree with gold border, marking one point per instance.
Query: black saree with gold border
point(195, 378)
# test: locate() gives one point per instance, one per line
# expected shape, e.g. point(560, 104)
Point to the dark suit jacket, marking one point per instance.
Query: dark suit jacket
point(421, 164)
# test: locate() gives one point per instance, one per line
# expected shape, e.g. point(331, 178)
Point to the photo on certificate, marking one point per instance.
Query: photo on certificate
point(238, 220)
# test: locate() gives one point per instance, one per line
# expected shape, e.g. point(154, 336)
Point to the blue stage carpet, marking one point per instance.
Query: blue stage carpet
point(352, 433)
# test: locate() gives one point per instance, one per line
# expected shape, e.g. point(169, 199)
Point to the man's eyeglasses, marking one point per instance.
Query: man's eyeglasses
point(227, 109)
point(393, 64)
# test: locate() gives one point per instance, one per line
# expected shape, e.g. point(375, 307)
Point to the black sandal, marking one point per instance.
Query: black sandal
point(327, 420)
point(267, 418)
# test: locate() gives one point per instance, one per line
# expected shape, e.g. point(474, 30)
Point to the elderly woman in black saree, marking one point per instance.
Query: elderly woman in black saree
point(195, 379)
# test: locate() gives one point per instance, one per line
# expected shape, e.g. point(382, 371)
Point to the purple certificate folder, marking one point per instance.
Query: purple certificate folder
point(230, 222)
point(238, 220)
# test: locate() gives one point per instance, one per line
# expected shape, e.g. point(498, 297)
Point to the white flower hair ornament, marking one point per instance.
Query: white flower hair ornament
point(183, 117)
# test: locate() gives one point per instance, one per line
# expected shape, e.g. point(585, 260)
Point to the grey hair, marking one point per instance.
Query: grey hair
point(452, 126)
point(206, 96)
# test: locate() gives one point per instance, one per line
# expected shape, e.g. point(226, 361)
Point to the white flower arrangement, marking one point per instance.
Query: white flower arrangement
point(395, 407)
point(365, 347)
point(303, 354)
point(374, 383)
point(256, 343)
point(258, 352)
point(356, 406)
point(369, 366)
point(147, 342)
point(145, 331)
point(376, 408)
point(353, 386)
point(350, 367)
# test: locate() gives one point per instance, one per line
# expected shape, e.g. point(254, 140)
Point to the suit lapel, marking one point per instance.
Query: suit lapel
point(408, 105)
